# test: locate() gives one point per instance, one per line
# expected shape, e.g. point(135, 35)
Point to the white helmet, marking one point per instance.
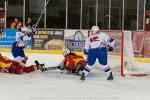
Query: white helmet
point(66, 51)
point(24, 29)
point(94, 29)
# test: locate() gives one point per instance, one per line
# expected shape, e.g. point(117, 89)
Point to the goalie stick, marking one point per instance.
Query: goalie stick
point(43, 68)
point(49, 68)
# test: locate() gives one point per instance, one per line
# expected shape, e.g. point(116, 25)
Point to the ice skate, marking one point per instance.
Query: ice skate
point(26, 57)
point(40, 66)
point(110, 77)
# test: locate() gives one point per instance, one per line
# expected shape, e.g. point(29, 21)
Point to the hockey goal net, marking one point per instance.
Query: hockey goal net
point(122, 58)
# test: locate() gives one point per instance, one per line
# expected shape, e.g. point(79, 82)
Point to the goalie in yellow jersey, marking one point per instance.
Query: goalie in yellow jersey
point(72, 63)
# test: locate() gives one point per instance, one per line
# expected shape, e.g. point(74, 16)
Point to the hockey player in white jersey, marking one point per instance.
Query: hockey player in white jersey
point(21, 42)
point(95, 48)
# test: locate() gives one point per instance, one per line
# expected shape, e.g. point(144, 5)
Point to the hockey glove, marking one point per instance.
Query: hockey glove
point(33, 27)
point(29, 34)
point(110, 48)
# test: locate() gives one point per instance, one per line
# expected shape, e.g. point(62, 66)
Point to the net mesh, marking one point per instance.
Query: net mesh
point(130, 65)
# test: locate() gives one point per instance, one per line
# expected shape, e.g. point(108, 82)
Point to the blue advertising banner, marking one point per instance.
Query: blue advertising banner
point(8, 37)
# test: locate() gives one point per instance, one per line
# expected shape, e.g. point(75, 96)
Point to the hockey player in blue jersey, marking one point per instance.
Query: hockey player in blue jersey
point(21, 42)
point(95, 48)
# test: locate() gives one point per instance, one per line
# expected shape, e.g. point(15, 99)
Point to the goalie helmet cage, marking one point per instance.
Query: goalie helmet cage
point(122, 57)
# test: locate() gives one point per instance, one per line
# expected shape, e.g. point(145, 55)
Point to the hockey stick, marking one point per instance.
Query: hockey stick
point(50, 68)
point(41, 15)
point(43, 68)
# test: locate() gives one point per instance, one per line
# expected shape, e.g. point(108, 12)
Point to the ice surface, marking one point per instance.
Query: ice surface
point(52, 85)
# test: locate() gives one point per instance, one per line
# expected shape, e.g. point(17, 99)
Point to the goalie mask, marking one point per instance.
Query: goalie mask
point(66, 51)
point(94, 29)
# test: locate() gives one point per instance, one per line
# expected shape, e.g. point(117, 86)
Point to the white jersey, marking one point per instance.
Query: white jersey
point(99, 40)
point(21, 39)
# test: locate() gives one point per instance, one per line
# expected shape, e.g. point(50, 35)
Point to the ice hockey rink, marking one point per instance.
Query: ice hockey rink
point(52, 85)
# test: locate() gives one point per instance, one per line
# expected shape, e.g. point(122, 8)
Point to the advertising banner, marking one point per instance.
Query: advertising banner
point(75, 39)
point(48, 40)
point(8, 37)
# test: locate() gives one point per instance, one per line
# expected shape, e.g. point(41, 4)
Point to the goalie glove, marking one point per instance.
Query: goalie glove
point(109, 48)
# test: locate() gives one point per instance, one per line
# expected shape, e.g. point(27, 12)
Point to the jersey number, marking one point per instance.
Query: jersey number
point(95, 38)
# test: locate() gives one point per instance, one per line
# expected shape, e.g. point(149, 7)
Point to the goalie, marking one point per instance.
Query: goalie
point(11, 66)
point(95, 48)
point(72, 63)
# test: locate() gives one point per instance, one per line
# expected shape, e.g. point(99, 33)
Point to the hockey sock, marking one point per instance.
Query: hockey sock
point(107, 69)
point(87, 69)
